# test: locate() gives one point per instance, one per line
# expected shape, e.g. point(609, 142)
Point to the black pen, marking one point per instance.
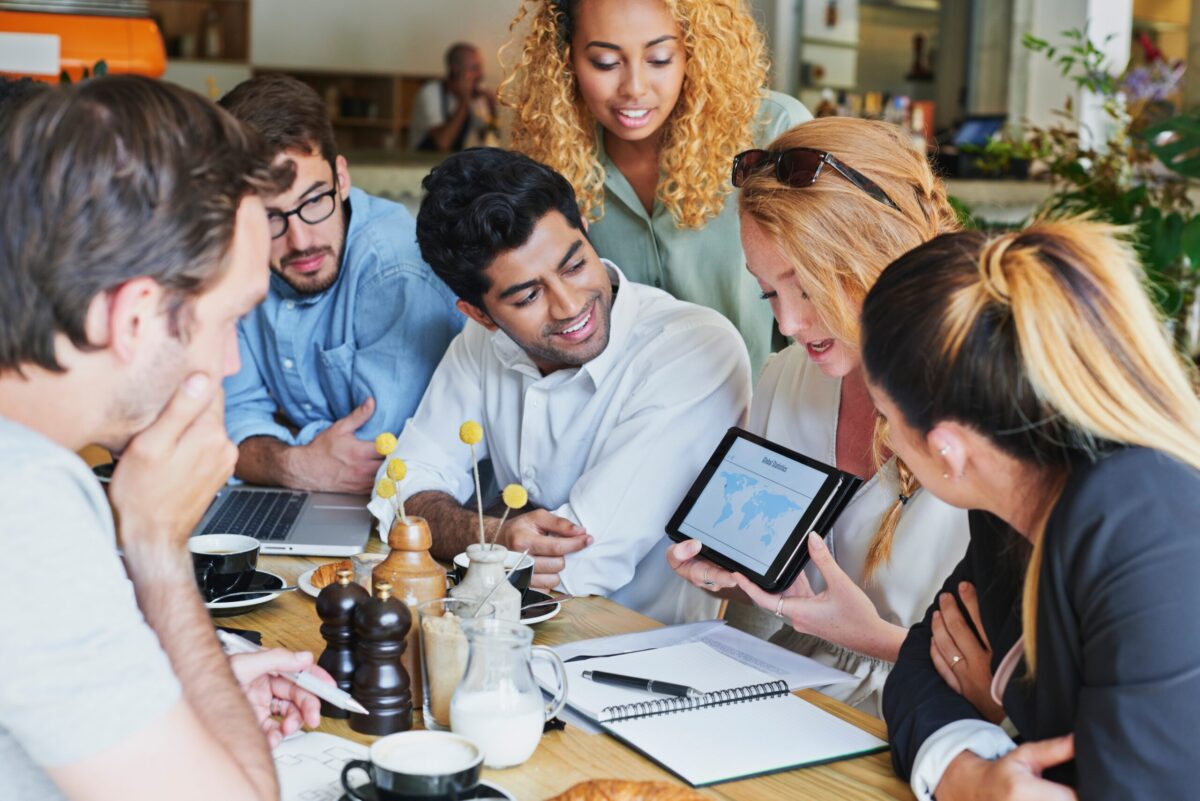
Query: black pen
point(649, 685)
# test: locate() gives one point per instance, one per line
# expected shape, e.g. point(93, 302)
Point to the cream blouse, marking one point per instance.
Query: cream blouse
point(796, 405)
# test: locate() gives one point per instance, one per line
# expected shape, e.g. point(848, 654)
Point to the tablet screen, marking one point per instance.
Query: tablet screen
point(752, 504)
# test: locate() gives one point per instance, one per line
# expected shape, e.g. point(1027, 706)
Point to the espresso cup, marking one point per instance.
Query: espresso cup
point(519, 578)
point(417, 765)
point(223, 563)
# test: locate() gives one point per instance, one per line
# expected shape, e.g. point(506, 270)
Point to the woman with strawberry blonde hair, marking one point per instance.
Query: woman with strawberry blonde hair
point(824, 209)
point(642, 105)
point(1036, 386)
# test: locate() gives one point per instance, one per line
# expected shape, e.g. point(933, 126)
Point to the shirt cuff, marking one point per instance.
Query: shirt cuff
point(940, 749)
point(240, 430)
point(310, 431)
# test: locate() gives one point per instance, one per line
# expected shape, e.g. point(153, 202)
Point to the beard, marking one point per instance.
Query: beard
point(311, 284)
point(140, 402)
point(543, 349)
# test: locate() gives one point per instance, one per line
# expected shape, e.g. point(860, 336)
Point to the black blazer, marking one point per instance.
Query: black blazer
point(1118, 630)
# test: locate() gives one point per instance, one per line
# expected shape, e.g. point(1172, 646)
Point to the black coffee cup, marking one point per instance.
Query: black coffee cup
point(519, 578)
point(417, 765)
point(224, 563)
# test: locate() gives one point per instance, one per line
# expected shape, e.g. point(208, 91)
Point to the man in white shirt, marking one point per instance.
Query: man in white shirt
point(456, 112)
point(603, 397)
point(132, 236)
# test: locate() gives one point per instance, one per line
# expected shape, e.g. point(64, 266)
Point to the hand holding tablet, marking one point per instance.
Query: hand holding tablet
point(753, 505)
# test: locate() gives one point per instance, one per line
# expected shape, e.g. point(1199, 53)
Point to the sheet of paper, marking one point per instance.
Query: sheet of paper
point(798, 671)
point(723, 743)
point(638, 640)
point(309, 766)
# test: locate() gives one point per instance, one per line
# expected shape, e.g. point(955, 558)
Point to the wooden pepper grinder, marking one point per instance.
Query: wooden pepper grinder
point(380, 682)
point(335, 607)
point(415, 578)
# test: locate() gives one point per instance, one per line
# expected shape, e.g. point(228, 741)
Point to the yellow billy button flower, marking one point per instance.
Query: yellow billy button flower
point(386, 488)
point(515, 496)
point(397, 469)
point(385, 443)
point(471, 433)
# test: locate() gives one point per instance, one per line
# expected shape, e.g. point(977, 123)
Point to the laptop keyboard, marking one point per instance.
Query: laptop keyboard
point(265, 515)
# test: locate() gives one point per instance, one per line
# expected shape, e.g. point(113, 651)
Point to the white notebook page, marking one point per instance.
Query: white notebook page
point(723, 743)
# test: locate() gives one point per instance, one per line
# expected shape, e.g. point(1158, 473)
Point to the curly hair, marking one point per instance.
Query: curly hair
point(711, 122)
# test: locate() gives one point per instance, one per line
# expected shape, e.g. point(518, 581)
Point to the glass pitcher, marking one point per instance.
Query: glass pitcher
point(498, 705)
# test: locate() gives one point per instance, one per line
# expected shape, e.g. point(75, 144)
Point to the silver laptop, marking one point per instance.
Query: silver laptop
point(291, 522)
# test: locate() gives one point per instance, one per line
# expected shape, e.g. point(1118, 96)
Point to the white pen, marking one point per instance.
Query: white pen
point(234, 644)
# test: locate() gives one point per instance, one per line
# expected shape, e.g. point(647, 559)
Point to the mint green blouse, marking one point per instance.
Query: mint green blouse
point(706, 265)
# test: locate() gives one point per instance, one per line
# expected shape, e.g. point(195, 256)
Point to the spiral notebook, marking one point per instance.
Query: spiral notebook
point(744, 724)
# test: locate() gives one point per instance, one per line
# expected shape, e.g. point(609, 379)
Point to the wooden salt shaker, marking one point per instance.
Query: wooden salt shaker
point(415, 578)
point(380, 682)
point(335, 607)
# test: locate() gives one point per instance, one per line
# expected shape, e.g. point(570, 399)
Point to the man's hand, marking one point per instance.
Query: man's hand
point(337, 460)
point(169, 472)
point(963, 659)
point(1016, 775)
point(279, 706)
point(549, 538)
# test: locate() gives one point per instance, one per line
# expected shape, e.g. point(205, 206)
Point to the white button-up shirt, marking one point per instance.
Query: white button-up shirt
point(613, 445)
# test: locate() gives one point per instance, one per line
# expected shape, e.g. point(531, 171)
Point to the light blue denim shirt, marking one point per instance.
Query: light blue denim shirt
point(379, 331)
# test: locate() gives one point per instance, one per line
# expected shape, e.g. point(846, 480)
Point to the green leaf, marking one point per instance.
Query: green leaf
point(1189, 241)
point(1179, 149)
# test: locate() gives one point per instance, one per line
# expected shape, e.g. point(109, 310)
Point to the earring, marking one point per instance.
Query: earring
point(946, 476)
point(945, 449)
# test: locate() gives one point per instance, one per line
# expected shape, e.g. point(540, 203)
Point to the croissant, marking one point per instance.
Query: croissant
point(622, 790)
point(326, 574)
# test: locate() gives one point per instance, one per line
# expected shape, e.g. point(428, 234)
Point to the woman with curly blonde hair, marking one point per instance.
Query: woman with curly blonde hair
point(642, 105)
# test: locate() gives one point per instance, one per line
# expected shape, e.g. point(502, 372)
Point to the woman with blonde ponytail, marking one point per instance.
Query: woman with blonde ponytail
point(816, 241)
point(1037, 386)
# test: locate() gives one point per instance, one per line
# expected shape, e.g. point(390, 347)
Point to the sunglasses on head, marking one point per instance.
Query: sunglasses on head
point(800, 167)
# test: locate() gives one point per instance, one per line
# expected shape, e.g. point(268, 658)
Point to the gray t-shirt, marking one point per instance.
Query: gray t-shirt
point(79, 668)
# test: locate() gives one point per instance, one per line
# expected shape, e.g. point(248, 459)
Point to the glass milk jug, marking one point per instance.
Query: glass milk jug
point(498, 705)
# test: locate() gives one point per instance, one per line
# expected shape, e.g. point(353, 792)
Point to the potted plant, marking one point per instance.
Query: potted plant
point(1140, 176)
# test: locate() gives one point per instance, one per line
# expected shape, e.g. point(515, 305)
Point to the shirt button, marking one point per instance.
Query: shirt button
point(528, 474)
point(308, 407)
point(291, 304)
point(288, 364)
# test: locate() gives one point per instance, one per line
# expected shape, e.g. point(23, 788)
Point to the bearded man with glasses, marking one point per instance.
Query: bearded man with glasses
point(355, 321)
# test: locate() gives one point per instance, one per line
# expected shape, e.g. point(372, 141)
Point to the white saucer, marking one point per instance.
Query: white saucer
point(305, 582)
point(263, 579)
point(539, 614)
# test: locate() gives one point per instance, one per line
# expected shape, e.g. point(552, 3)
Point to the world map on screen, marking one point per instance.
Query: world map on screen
point(759, 507)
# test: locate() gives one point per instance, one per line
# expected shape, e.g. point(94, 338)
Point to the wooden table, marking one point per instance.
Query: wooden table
point(567, 757)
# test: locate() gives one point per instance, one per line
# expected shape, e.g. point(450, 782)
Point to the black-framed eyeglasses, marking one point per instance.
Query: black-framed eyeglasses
point(317, 208)
point(800, 167)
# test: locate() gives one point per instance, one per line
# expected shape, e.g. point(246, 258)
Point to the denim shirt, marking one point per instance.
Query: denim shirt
point(379, 331)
